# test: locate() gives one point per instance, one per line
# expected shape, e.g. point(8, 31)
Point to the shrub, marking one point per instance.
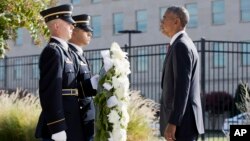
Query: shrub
point(142, 117)
point(218, 102)
point(242, 99)
point(18, 116)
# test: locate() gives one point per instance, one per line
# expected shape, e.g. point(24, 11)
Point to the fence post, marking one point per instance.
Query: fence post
point(203, 42)
point(5, 73)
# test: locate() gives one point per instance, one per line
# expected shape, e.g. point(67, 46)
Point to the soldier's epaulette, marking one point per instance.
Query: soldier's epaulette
point(53, 44)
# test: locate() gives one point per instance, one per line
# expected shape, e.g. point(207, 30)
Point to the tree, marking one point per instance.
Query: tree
point(16, 14)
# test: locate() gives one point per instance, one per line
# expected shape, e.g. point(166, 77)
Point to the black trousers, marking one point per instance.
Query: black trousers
point(88, 130)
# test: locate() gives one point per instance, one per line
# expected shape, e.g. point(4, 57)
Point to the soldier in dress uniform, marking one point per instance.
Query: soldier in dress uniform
point(81, 37)
point(60, 119)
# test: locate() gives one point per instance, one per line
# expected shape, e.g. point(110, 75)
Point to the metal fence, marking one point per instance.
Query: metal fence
point(224, 64)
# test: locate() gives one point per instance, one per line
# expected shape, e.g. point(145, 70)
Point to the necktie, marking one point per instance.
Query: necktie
point(168, 48)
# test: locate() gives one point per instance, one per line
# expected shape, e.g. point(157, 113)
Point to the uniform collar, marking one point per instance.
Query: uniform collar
point(64, 43)
point(175, 36)
point(78, 48)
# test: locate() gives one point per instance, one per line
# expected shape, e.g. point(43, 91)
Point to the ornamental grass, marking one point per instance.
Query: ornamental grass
point(18, 116)
point(143, 119)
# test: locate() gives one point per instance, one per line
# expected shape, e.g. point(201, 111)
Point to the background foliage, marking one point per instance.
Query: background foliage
point(18, 116)
point(218, 102)
point(20, 111)
point(242, 99)
point(16, 14)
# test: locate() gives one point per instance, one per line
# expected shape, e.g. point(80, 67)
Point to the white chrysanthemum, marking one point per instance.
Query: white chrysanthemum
point(116, 82)
point(123, 107)
point(113, 117)
point(122, 94)
point(124, 135)
point(116, 51)
point(126, 66)
point(125, 118)
point(121, 81)
point(119, 92)
point(116, 133)
point(125, 81)
point(122, 66)
point(111, 138)
point(119, 134)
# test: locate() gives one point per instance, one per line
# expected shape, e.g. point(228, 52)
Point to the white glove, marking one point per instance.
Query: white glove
point(94, 81)
point(59, 136)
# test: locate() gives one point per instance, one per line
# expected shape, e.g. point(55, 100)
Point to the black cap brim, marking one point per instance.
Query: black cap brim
point(86, 28)
point(68, 19)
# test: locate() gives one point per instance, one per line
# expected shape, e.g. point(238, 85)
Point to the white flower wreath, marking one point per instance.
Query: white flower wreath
point(113, 96)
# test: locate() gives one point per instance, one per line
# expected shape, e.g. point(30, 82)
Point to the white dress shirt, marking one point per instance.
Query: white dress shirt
point(78, 48)
point(175, 36)
point(64, 43)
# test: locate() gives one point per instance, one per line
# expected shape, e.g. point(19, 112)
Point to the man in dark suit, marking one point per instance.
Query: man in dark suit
point(181, 111)
point(60, 119)
point(81, 37)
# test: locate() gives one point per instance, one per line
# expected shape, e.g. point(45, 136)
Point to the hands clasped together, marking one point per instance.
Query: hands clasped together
point(169, 133)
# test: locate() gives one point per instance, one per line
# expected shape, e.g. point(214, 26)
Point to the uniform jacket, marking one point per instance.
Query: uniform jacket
point(180, 100)
point(85, 87)
point(59, 112)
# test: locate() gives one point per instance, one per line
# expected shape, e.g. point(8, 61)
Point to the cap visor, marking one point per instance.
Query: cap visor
point(86, 28)
point(69, 20)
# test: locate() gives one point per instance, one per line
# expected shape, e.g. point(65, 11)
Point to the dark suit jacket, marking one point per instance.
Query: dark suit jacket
point(180, 100)
point(58, 112)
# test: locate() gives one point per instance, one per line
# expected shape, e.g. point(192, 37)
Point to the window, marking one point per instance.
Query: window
point(96, 24)
point(245, 10)
point(193, 15)
point(17, 69)
point(75, 1)
point(142, 61)
point(95, 1)
point(35, 69)
point(219, 55)
point(141, 20)
point(19, 38)
point(117, 22)
point(2, 69)
point(246, 54)
point(218, 12)
point(96, 63)
point(162, 12)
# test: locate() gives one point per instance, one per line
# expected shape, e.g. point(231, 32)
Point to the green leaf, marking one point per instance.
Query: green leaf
point(22, 13)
